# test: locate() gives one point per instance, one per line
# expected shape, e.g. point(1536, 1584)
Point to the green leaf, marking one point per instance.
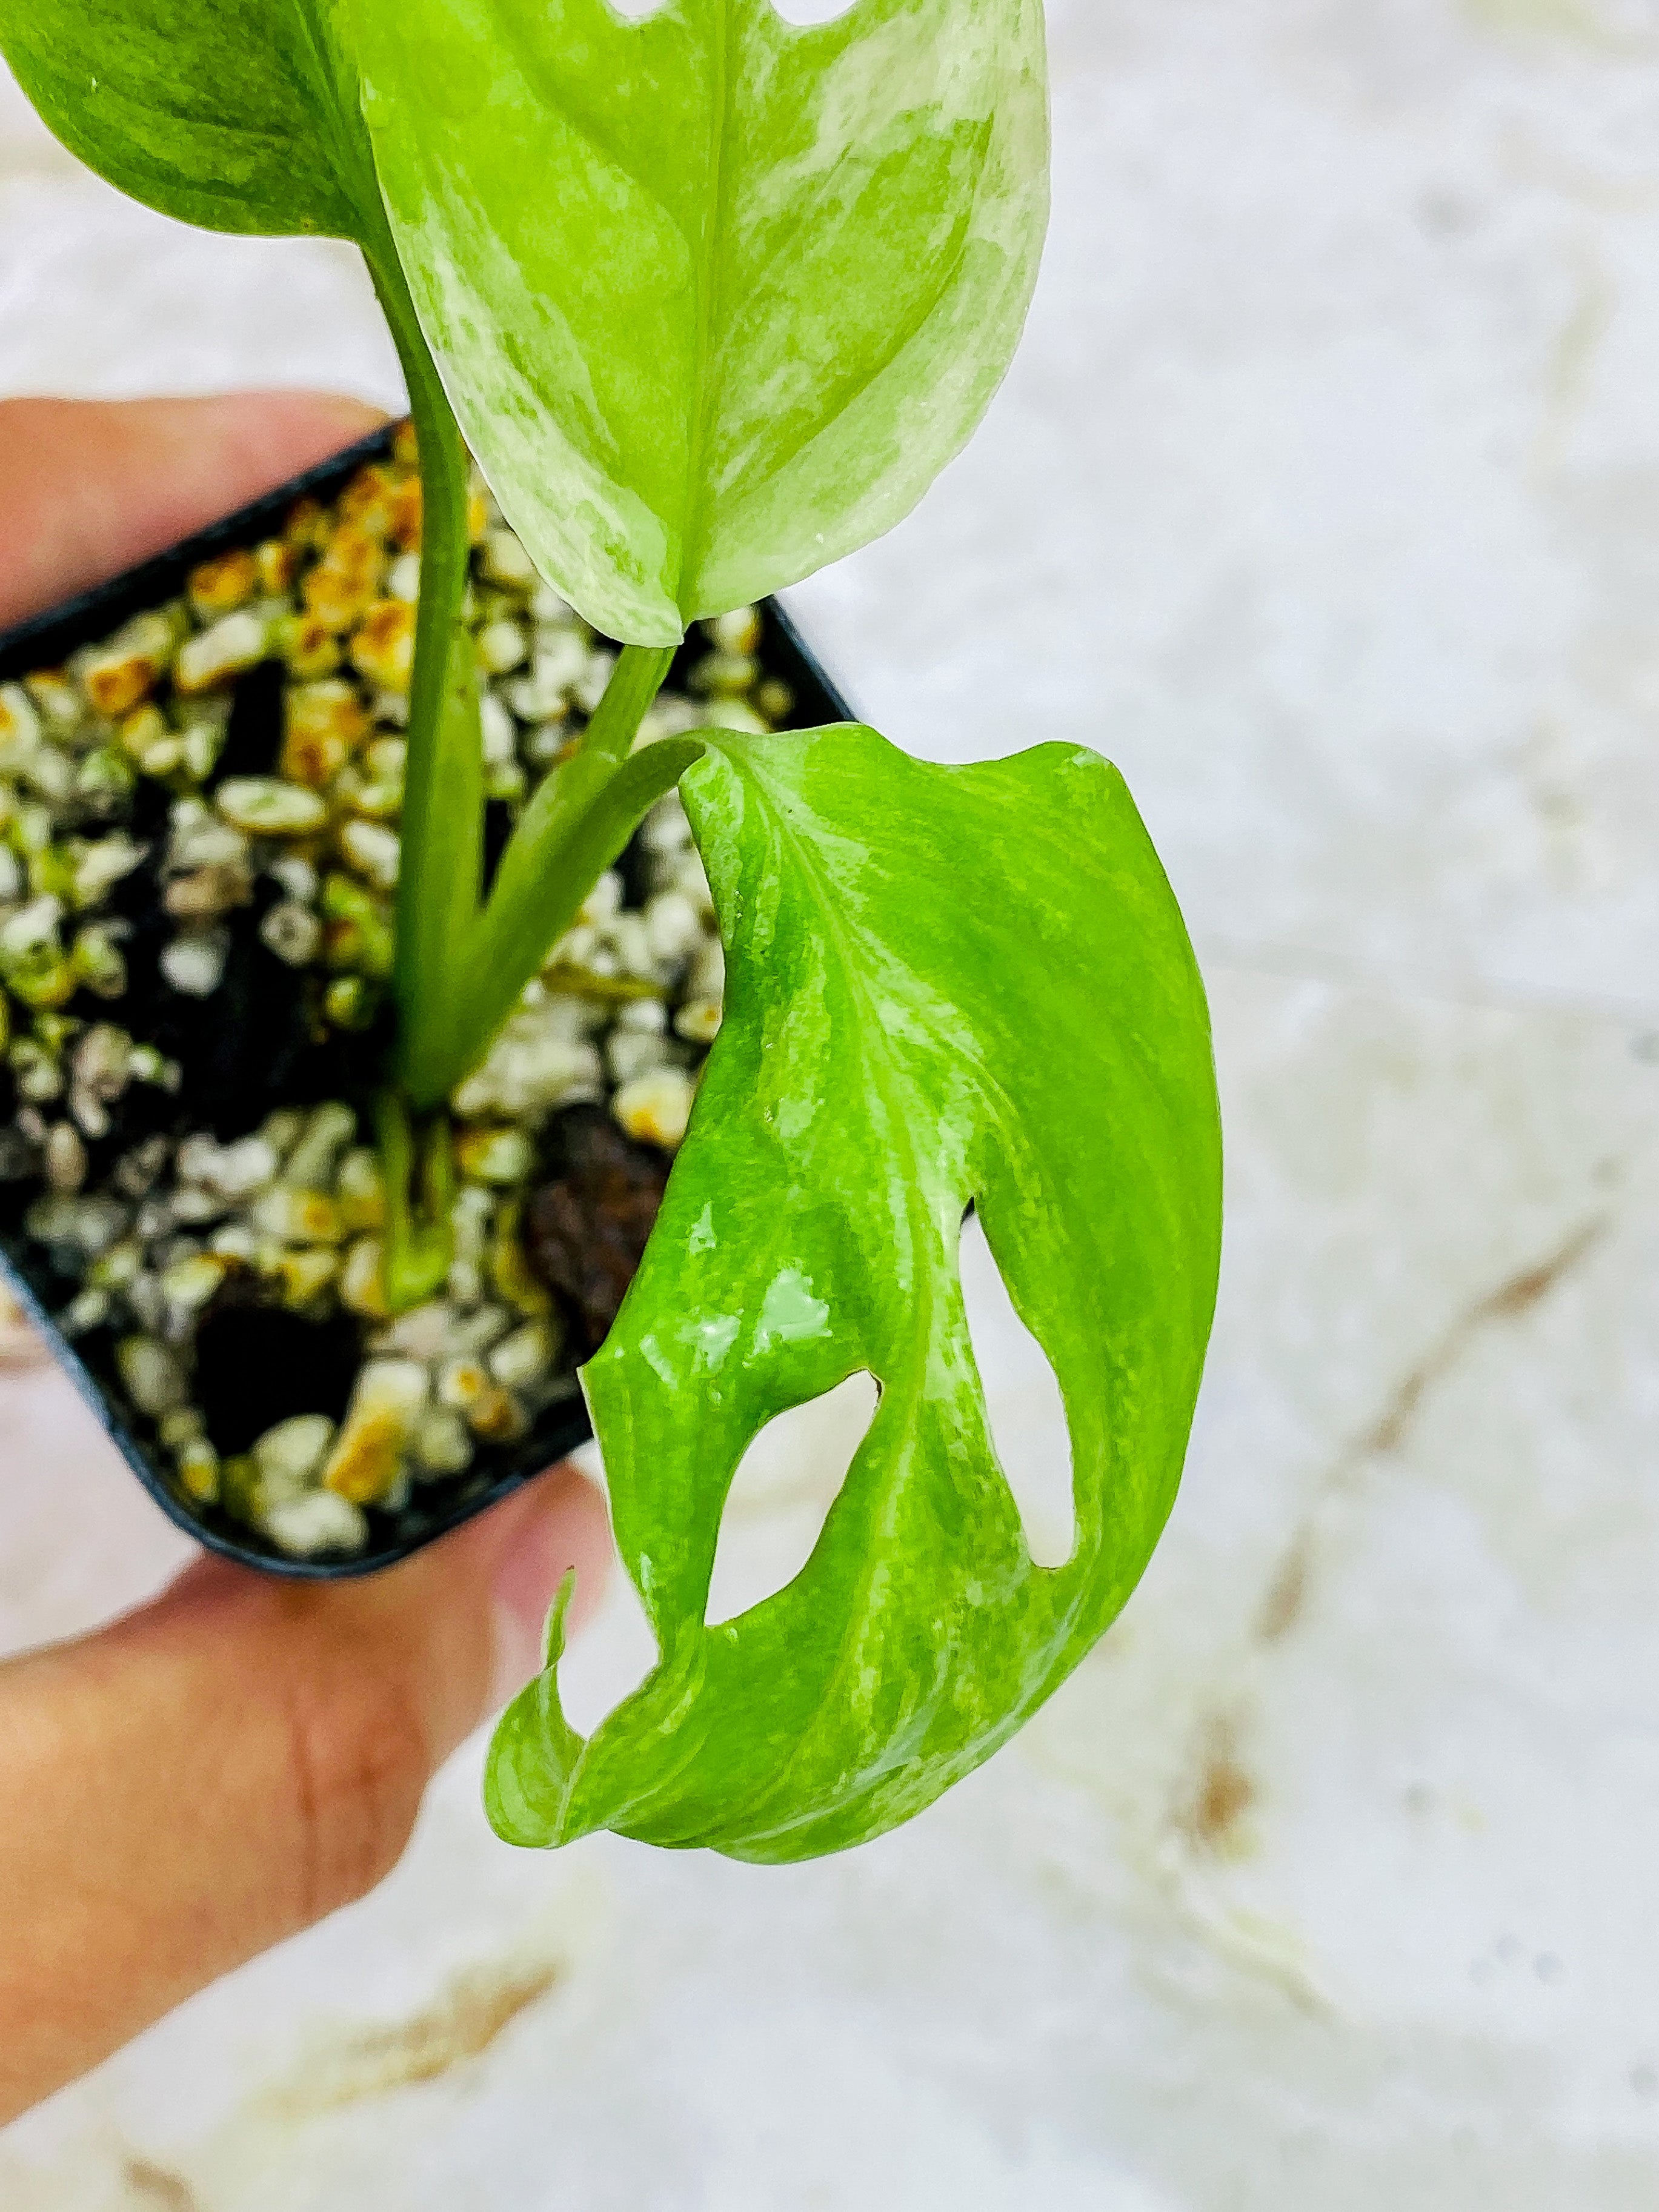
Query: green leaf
point(716, 297)
point(236, 114)
point(944, 985)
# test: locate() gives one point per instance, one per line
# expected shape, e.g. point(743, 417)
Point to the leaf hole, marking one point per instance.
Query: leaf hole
point(607, 1663)
point(1023, 1402)
point(781, 1496)
point(636, 11)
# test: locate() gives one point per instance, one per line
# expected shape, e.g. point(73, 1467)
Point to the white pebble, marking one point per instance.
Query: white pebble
point(319, 1522)
point(373, 850)
point(102, 865)
point(230, 647)
point(103, 1060)
point(293, 933)
point(655, 1107)
point(594, 681)
point(546, 739)
point(266, 806)
point(31, 928)
point(500, 1157)
point(297, 876)
point(153, 1378)
point(631, 1054)
point(561, 660)
point(673, 927)
point(89, 1310)
point(20, 725)
point(496, 729)
point(698, 1021)
point(525, 1356)
point(474, 1334)
point(535, 1064)
point(231, 1171)
point(443, 1443)
point(604, 899)
point(189, 1284)
point(316, 1155)
point(386, 1406)
point(66, 1158)
point(421, 1334)
point(387, 759)
point(294, 1214)
point(195, 966)
point(501, 647)
point(505, 560)
point(195, 1207)
point(362, 1279)
point(706, 977)
point(690, 878)
point(199, 840)
point(290, 1456)
point(737, 632)
point(733, 714)
point(630, 941)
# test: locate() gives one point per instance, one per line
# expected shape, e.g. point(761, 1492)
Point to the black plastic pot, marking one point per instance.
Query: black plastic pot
point(45, 641)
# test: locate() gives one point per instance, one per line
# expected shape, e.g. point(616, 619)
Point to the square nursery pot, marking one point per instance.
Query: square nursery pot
point(192, 958)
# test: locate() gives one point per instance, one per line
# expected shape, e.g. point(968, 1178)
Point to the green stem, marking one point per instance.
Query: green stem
point(640, 673)
point(458, 971)
point(518, 931)
point(522, 878)
point(443, 862)
point(576, 823)
point(419, 1240)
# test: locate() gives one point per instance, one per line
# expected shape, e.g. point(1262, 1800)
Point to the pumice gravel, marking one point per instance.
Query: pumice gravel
point(198, 858)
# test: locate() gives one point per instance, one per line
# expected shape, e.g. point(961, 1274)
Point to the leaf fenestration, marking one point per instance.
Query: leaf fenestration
point(943, 985)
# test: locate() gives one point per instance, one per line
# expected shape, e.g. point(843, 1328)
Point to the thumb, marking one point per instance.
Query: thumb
point(90, 486)
point(239, 1759)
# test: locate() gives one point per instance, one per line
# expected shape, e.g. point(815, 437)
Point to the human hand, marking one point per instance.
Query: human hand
point(240, 1758)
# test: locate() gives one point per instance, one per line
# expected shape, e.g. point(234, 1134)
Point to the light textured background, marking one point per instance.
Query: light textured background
point(1325, 499)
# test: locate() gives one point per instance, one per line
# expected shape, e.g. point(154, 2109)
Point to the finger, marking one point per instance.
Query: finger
point(239, 1759)
point(88, 486)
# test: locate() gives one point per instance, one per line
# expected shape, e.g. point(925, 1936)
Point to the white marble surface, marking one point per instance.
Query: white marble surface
point(1325, 498)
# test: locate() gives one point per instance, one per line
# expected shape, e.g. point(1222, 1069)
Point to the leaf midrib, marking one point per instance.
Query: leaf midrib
point(711, 271)
point(837, 933)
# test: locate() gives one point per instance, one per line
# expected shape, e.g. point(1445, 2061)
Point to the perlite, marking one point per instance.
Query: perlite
point(215, 655)
point(316, 1154)
point(153, 1378)
point(319, 1522)
point(194, 965)
point(268, 806)
point(293, 933)
point(656, 1109)
point(386, 1409)
point(289, 1457)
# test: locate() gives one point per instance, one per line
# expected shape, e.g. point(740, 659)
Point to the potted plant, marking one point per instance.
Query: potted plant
point(712, 299)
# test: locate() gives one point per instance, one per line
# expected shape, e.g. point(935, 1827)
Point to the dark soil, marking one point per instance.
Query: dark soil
point(587, 1225)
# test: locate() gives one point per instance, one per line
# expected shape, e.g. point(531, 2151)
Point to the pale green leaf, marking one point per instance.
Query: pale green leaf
point(236, 114)
point(945, 985)
point(715, 297)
